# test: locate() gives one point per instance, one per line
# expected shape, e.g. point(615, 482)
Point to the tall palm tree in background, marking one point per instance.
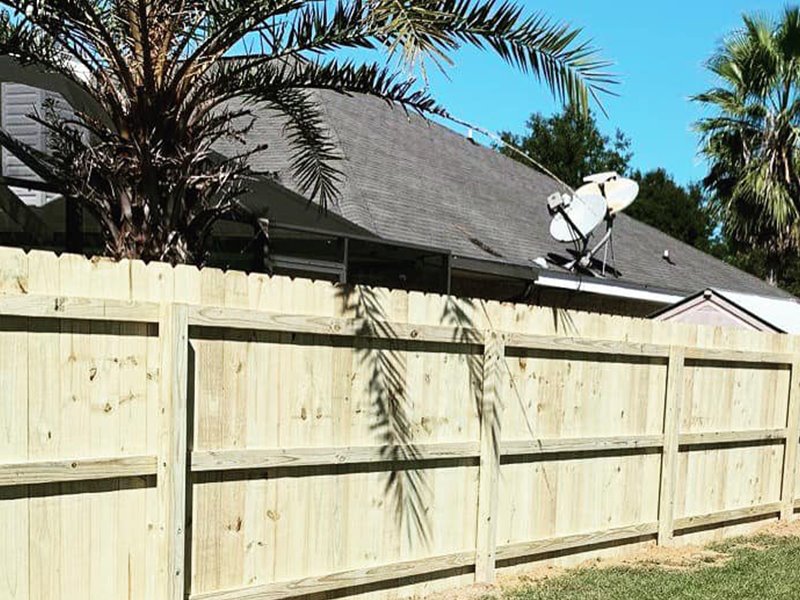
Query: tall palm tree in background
point(751, 137)
point(152, 84)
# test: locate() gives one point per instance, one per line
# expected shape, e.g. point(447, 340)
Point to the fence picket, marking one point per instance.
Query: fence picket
point(172, 449)
point(491, 405)
point(289, 470)
point(788, 477)
point(669, 457)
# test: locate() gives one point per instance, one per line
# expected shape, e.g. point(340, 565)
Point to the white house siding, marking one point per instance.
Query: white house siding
point(18, 102)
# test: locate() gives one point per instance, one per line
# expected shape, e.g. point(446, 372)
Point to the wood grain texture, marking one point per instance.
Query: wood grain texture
point(333, 326)
point(581, 445)
point(44, 395)
point(579, 540)
point(789, 471)
point(713, 354)
point(489, 474)
point(293, 493)
point(78, 469)
point(232, 460)
point(14, 447)
point(71, 307)
point(588, 346)
point(732, 437)
point(172, 448)
point(669, 459)
point(724, 516)
point(344, 579)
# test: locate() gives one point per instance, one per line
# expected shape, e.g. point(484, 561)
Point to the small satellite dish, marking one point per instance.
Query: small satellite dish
point(577, 219)
point(620, 194)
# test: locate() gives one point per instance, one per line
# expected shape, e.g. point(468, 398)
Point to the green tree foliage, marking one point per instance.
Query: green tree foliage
point(157, 83)
point(761, 263)
point(676, 210)
point(570, 145)
point(751, 137)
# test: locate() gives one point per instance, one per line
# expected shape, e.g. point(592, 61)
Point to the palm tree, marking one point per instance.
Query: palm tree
point(751, 137)
point(154, 84)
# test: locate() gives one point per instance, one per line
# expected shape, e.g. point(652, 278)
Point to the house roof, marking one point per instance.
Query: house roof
point(408, 180)
point(413, 182)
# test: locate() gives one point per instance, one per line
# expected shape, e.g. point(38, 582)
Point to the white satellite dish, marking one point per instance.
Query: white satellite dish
point(620, 194)
point(589, 189)
point(577, 217)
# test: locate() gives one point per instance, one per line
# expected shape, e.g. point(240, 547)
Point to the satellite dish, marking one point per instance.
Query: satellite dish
point(590, 189)
point(620, 194)
point(578, 217)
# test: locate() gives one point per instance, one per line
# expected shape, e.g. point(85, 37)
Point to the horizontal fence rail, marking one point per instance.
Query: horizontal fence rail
point(259, 320)
point(344, 579)
point(84, 469)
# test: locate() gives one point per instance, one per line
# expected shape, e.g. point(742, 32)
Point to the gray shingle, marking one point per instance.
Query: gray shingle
point(408, 180)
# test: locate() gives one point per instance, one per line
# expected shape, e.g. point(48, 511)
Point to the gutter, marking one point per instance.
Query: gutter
point(605, 289)
point(566, 282)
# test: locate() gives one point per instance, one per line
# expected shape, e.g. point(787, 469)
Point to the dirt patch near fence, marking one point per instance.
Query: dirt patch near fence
point(684, 558)
point(673, 559)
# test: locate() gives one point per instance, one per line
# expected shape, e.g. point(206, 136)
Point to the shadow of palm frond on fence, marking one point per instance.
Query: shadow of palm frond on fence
point(563, 322)
point(392, 420)
point(458, 314)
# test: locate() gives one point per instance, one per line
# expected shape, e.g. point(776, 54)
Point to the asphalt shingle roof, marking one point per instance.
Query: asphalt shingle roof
point(411, 181)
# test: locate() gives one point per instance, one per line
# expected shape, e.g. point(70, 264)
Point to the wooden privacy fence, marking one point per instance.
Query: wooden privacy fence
point(170, 433)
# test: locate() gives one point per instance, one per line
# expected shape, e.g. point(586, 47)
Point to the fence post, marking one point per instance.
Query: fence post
point(669, 456)
point(488, 483)
point(790, 450)
point(173, 333)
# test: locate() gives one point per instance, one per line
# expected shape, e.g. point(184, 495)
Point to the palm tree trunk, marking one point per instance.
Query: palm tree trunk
point(74, 226)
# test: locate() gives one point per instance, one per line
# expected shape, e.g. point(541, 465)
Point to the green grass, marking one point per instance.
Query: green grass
point(757, 568)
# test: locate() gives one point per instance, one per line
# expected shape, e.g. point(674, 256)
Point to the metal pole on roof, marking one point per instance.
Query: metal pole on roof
point(345, 259)
point(448, 273)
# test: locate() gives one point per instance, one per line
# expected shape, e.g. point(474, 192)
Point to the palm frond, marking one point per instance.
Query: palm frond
point(283, 85)
point(550, 51)
point(318, 28)
point(156, 84)
point(37, 161)
point(751, 138)
point(314, 153)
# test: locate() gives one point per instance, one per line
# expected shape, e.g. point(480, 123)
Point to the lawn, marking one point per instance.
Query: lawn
point(764, 567)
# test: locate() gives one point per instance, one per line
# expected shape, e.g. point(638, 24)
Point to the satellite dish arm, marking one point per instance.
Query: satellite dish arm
point(584, 238)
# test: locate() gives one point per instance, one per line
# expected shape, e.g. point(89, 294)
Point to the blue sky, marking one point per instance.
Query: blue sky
point(658, 48)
